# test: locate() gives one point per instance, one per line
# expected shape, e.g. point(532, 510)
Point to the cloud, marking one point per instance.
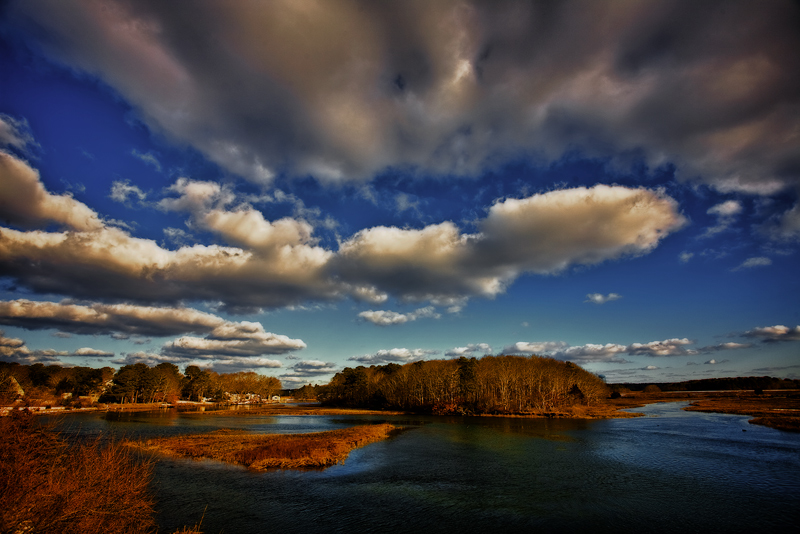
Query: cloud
point(726, 213)
point(24, 201)
point(544, 233)
point(279, 263)
point(16, 133)
point(610, 352)
point(450, 88)
point(147, 157)
point(387, 318)
point(303, 371)
point(684, 257)
point(394, 355)
point(107, 319)
point(771, 334)
point(256, 343)
point(121, 190)
point(785, 227)
point(599, 298)
point(535, 347)
point(15, 350)
point(226, 342)
point(470, 351)
point(715, 362)
point(750, 263)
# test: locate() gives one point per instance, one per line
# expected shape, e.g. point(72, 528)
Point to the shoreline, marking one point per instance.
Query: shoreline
point(779, 409)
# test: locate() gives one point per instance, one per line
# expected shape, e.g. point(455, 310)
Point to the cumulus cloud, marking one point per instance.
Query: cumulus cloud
point(750, 263)
point(394, 355)
point(25, 202)
point(278, 263)
point(543, 233)
point(771, 334)
point(388, 318)
point(599, 298)
point(448, 87)
point(15, 350)
point(107, 319)
point(610, 352)
point(470, 351)
point(244, 345)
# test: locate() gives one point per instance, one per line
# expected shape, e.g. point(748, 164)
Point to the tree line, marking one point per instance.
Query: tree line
point(136, 383)
point(491, 384)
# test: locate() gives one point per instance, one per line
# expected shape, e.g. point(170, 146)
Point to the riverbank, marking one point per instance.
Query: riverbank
point(778, 409)
point(270, 451)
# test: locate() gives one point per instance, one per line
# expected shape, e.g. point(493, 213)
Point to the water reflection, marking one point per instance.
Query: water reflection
point(671, 471)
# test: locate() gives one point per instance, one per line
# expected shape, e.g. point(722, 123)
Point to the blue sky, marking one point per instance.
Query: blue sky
point(298, 187)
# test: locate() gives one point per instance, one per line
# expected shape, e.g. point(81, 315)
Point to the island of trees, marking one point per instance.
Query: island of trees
point(489, 385)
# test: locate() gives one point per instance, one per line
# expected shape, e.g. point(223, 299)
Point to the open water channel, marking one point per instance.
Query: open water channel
point(670, 471)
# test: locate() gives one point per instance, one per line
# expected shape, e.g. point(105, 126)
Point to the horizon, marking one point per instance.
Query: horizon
point(295, 188)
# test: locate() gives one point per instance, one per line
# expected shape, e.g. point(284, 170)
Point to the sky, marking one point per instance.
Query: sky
point(298, 186)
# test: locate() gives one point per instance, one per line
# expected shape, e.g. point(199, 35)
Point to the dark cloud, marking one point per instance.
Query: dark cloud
point(341, 90)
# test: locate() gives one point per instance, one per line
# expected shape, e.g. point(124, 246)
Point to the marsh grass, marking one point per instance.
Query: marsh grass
point(50, 485)
point(267, 451)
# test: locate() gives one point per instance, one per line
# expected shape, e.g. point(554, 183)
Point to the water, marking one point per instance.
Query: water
point(672, 471)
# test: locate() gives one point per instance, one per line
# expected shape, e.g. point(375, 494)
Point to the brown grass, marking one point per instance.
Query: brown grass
point(266, 451)
point(51, 486)
point(775, 409)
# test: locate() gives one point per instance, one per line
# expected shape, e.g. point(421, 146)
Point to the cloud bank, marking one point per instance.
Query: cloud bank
point(449, 87)
point(279, 263)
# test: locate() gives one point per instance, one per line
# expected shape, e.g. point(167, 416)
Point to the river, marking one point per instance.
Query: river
point(670, 471)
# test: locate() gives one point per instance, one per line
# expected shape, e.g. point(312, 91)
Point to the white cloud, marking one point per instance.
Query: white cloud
point(726, 213)
point(599, 298)
point(15, 133)
point(25, 202)
point(750, 263)
point(121, 190)
point(471, 350)
point(98, 318)
point(544, 233)
point(537, 348)
point(610, 352)
point(213, 348)
point(388, 318)
point(147, 157)
point(774, 333)
point(397, 355)
point(684, 257)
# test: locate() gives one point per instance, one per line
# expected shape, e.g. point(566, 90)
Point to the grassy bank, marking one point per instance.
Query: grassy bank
point(266, 451)
point(49, 485)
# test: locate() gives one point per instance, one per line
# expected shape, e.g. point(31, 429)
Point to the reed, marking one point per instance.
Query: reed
point(49, 485)
point(268, 451)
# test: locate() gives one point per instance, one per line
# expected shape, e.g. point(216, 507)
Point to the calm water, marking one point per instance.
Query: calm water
point(672, 471)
